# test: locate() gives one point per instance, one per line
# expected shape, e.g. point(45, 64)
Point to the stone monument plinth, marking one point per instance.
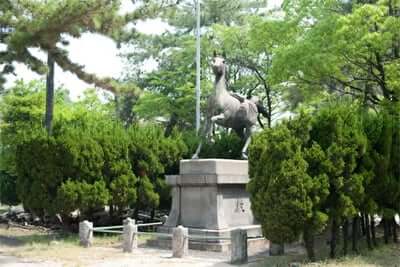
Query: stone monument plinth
point(209, 197)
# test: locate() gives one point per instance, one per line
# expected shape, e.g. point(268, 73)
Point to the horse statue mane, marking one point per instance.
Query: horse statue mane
point(228, 109)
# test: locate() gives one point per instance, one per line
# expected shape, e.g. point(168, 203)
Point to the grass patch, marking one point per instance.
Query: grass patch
point(55, 246)
point(65, 247)
point(38, 244)
point(22, 237)
point(384, 255)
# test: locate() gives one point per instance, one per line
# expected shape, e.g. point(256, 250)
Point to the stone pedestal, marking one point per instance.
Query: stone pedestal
point(209, 197)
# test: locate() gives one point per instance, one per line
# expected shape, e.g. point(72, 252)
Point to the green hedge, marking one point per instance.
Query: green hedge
point(325, 168)
point(88, 168)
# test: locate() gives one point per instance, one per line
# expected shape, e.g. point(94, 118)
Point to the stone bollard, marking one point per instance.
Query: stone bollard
point(180, 242)
point(130, 235)
point(239, 246)
point(164, 219)
point(85, 233)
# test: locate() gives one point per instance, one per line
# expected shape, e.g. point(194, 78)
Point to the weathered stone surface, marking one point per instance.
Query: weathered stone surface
point(214, 166)
point(130, 238)
point(239, 246)
point(210, 198)
point(86, 233)
point(210, 194)
point(180, 242)
point(164, 219)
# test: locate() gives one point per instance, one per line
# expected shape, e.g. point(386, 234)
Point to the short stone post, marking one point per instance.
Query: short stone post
point(85, 233)
point(180, 242)
point(239, 246)
point(164, 219)
point(130, 239)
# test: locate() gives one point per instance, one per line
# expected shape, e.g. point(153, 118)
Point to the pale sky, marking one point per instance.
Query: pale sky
point(97, 53)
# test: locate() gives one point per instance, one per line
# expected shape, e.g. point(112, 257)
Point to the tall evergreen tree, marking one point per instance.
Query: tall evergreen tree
point(47, 24)
point(171, 85)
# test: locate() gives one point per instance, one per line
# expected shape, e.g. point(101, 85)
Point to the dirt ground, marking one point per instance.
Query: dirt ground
point(30, 248)
point(109, 257)
point(36, 248)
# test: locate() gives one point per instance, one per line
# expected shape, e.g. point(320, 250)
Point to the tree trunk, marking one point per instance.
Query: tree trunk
point(385, 230)
point(354, 234)
point(363, 225)
point(395, 237)
point(171, 124)
point(269, 104)
point(309, 243)
point(269, 99)
point(112, 211)
point(373, 231)
point(49, 95)
point(366, 216)
point(334, 229)
point(345, 236)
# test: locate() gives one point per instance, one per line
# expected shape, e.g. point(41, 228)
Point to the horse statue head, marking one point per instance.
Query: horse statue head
point(218, 65)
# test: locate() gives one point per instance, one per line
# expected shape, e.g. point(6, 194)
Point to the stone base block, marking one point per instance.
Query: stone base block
point(209, 197)
point(254, 245)
point(204, 239)
point(210, 194)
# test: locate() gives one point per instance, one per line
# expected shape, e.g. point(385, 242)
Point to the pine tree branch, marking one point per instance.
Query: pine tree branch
point(66, 64)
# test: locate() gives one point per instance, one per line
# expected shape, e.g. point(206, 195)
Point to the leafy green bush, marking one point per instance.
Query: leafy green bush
point(223, 145)
point(41, 164)
point(73, 195)
point(285, 196)
point(21, 113)
point(305, 170)
point(8, 193)
point(89, 150)
point(123, 166)
point(123, 191)
point(151, 156)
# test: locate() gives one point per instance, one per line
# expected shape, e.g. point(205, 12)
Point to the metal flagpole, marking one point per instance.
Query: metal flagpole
point(198, 93)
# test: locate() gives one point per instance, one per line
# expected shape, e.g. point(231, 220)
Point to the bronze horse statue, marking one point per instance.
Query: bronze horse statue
point(229, 110)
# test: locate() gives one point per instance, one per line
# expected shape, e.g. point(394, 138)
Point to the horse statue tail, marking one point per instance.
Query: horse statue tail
point(260, 109)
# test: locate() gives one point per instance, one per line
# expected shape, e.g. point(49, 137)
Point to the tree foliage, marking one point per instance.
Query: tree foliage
point(91, 160)
point(328, 168)
point(285, 176)
point(346, 49)
point(170, 86)
point(47, 25)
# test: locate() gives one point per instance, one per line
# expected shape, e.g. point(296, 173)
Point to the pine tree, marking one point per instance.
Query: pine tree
point(287, 177)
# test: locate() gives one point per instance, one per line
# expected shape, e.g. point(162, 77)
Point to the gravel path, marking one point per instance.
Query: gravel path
point(19, 252)
point(10, 261)
point(109, 257)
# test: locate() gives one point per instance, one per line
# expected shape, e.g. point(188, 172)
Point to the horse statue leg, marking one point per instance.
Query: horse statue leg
point(206, 134)
point(249, 132)
point(218, 117)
